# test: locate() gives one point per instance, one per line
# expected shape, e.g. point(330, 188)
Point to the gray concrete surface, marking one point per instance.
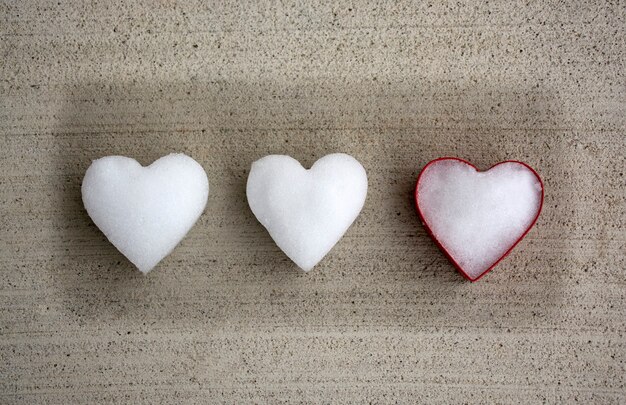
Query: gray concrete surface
point(384, 318)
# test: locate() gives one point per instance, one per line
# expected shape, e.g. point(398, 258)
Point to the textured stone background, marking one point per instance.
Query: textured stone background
point(385, 317)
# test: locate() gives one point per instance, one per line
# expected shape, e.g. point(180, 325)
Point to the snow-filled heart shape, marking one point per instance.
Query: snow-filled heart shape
point(306, 212)
point(145, 211)
point(475, 217)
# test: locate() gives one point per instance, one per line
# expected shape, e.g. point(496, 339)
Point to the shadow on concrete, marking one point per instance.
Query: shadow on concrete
point(384, 272)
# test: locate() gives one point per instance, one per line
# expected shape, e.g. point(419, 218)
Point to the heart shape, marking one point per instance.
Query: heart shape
point(306, 212)
point(145, 211)
point(475, 217)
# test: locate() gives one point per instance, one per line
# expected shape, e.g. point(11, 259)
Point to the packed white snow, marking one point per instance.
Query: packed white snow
point(478, 216)
point(306, 212)
point(145, 211)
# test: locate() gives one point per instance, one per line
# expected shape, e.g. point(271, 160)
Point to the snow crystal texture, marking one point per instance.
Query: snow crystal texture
point(478, 216)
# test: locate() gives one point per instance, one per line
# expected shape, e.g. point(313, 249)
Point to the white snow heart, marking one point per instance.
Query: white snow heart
point(306, 212)
point(145, 211)
point(476, 217)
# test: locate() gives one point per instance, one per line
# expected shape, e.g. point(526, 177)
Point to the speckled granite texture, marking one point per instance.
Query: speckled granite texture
point(385, 317)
